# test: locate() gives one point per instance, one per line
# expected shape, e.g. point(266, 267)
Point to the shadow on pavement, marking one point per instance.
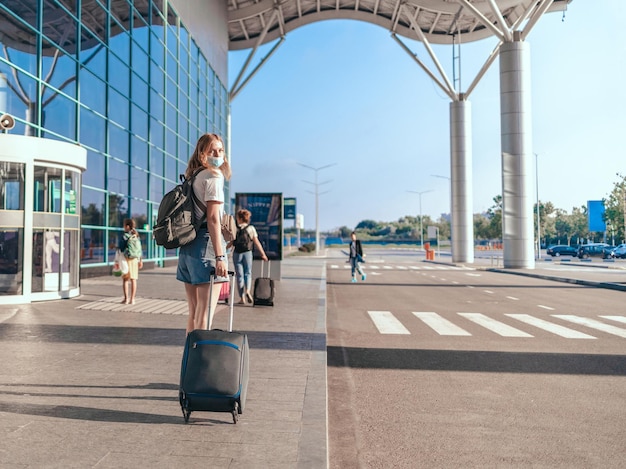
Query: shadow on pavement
point(150, 336)
point(478, 361)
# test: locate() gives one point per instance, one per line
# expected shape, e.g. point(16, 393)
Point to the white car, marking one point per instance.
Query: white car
point(619, 252)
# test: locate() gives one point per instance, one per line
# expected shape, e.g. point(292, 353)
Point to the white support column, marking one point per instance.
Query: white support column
point(461, 183)
point(516, 142)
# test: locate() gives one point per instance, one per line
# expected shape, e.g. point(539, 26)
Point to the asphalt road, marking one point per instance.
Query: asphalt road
point(432, 366)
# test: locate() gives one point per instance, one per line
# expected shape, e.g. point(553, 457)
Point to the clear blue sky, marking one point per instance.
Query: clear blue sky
point(344, 93)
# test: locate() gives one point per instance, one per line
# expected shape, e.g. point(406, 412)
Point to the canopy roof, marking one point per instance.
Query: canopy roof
point(255, 22)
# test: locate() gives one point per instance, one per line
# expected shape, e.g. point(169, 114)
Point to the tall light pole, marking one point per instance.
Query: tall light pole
point(421, 225)
point(317, 194)
point(538, 218)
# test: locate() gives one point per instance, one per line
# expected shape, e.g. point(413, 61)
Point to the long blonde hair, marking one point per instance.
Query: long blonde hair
point(195, 162)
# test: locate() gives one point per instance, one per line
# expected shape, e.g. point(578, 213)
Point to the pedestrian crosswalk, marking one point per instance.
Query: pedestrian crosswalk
point(508, 325)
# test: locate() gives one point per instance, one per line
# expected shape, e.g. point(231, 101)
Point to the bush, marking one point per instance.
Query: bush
point(307, 247)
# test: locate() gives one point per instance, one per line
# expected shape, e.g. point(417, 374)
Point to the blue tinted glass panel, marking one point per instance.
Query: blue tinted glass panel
point(118, 210)
point(172, 67)
point(156, 161)
point(156, 188)
point(156, 133)
point(171, 170)
point(92, 242)
point(140, 91)
point(118, 142)
point(171, 92)
point(120, 44)
point(92, 130)
point(53, 15)
point(119, 75)
point(93, 207)
point(59, 114)
point(157, 108)
point(118, 177)
point(119, 110)
point(139, 212)
point(94, 175)
point(139, 123)
point(157, 49)
point(92, 92)
point(94, 59)
point(139, 154)
point(139, 183)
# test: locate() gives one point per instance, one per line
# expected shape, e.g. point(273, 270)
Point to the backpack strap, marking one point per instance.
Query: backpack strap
point(195, 197)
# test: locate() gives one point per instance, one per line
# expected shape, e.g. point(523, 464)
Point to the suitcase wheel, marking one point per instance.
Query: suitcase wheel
point(235, 412)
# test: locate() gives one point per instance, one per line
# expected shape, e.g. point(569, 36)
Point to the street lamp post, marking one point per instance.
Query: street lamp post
point(317, 194)
point(421, 225)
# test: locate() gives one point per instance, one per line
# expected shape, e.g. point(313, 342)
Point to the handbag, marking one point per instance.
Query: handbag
point(120, 264)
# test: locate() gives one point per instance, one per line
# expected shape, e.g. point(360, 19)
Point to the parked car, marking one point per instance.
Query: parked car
point(594, 250)
point(619, 252)
point(562, 250)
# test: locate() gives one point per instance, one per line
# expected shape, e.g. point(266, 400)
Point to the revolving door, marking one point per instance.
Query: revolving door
point(40, 185)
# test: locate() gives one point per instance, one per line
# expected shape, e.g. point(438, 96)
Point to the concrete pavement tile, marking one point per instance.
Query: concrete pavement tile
point(116, 460)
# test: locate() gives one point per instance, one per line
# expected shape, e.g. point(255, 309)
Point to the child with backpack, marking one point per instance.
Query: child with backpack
point(131, 248)
point(243, 244)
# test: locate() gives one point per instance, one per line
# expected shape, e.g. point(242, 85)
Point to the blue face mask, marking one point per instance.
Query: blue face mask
point(217, 162)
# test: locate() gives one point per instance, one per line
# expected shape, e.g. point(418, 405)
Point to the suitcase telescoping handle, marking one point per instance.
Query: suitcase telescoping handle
point(269, 266)
point(231, 297)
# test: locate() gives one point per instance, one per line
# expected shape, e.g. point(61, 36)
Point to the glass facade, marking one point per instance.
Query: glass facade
point(126, 81)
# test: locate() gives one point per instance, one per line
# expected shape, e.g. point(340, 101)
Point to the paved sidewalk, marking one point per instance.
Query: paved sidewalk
point(89, 382)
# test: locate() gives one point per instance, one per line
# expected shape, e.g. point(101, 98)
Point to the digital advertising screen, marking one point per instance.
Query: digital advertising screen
point(267, 218)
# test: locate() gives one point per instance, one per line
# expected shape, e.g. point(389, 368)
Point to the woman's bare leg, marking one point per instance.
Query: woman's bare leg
point(190, 291)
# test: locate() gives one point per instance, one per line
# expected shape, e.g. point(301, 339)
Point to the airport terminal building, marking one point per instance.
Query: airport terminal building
point(102, 102)
point(106, 99)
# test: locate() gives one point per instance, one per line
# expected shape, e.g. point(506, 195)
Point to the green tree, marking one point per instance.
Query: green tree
point(494, 215)
point(614, 206)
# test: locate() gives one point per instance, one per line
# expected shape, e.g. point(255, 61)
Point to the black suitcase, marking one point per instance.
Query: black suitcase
point(263, 294)
point(214, 371)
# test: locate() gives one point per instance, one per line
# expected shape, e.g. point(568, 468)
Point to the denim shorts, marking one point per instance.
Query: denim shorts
point(196, 260)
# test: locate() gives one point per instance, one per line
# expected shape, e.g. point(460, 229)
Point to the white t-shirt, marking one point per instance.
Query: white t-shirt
point(208, 187)
point(251, 230)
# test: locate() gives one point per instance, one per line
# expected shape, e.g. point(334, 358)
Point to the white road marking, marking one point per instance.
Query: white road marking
point(495, 326)
point(550, 327)
point(473, 275)
point(608, 328)
point(440, 325)
point(545, 307)
point(488, 291)
point(615, 318)
point(512, 298)
point(387, 323)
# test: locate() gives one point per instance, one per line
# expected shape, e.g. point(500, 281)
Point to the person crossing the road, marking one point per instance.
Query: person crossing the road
point(356, 257)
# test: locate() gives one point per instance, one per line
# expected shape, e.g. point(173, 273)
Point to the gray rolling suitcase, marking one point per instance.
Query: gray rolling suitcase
point(214, 371)
point(263, 294)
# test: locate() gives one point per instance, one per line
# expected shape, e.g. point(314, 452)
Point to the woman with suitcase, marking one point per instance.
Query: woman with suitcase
point(206, 255)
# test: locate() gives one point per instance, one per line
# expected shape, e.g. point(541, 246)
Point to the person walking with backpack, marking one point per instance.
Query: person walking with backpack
point(131, 248)
point(243, 244)
point(206, 254)
point(355, 257)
